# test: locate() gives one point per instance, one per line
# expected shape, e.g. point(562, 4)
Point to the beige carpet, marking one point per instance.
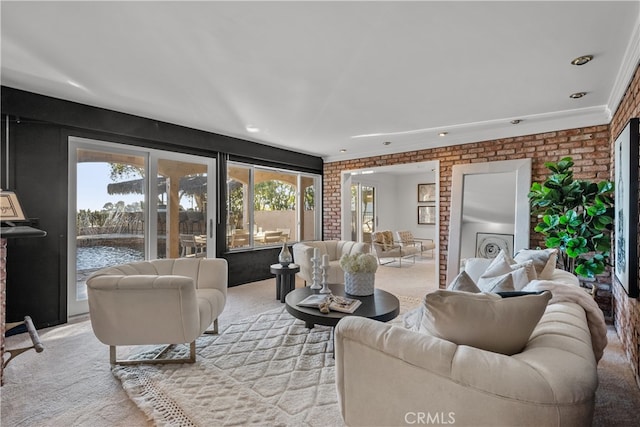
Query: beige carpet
point(71, 384)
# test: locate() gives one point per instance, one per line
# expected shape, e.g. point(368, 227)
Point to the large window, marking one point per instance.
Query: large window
point(122, 215)
point(269, 206)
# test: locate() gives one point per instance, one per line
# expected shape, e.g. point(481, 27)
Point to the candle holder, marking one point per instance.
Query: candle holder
point(325, 287)
point(316, 273)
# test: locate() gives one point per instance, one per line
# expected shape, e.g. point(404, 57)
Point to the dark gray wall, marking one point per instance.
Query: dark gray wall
point(39, 127)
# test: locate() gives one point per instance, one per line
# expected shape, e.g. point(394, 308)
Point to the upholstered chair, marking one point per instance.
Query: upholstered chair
point(406, 239)
point(335, 249)
point(387, 250)
point(164, 301)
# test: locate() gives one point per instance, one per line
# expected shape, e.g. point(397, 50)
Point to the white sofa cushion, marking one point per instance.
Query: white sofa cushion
point(485, 321)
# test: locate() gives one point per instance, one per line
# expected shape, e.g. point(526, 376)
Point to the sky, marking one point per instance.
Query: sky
point(93, 179)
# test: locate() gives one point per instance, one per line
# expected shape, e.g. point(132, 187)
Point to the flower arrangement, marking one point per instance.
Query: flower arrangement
point(359, 263)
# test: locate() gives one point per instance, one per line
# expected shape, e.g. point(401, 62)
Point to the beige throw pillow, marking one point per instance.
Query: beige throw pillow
point(544, 260)
point(485, 321)
point(462, 282)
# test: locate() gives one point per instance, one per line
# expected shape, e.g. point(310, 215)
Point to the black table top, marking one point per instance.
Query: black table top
point(280, 269)
point(381, 306)
point(21, 231)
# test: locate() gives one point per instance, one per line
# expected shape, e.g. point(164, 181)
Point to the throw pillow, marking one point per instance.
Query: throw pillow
point(476, 266)
point(462, 282)
point(544, 261)
point(485, 321)
point(506, 282)
point(529, 269)
point(500, 276)
point(499, 266)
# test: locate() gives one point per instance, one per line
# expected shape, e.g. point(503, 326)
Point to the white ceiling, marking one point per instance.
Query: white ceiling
point(318, 77)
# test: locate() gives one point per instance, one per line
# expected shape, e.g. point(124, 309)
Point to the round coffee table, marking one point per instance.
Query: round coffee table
point(381, 306)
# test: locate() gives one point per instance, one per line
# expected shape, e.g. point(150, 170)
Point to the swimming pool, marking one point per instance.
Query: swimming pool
point(94, 257)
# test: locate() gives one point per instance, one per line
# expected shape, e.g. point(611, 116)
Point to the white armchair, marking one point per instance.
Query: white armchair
point(164, 301)
point(303, 253)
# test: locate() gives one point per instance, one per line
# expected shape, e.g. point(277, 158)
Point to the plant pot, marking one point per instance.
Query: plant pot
point(360, 284)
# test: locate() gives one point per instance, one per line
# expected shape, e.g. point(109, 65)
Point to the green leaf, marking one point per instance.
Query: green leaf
point(605, 187)
point(553, 242)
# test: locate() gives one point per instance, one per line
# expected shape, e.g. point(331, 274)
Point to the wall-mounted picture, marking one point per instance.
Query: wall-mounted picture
point(426, 192)
point(626, 196)
point(489, 245)
point(426, 214)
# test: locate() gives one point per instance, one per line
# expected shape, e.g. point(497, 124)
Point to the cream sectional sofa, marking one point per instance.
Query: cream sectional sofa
point(335, 249)
point(388, 375)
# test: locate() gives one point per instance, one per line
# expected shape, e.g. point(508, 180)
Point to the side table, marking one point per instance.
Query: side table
point(285, 279)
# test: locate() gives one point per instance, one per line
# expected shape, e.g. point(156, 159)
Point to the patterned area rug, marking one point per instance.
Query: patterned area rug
point(264, 370)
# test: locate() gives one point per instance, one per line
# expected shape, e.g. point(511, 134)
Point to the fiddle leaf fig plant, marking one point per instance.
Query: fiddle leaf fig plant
point(576, 217)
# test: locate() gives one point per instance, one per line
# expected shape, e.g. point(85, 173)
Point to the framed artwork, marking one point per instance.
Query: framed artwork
point(426, 214)
point(489, 245)
point(10, 209)
point(426, 192)
point(626, 207)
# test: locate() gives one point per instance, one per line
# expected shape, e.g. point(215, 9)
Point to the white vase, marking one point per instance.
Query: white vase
point(360, 284)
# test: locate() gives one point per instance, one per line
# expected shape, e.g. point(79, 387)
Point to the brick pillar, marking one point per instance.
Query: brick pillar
point(3, 300)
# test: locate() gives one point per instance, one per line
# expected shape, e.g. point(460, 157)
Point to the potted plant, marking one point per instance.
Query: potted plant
point(359, 273)
point(577, 218)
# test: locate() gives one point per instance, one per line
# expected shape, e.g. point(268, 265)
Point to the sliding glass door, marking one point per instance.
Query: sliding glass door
point(133, 204)
point(363, 219)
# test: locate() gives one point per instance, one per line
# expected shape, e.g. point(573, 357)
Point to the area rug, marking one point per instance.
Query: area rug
point(267, 369)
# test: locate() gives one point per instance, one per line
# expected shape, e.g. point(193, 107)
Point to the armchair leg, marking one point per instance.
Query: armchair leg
point(215, 329)
point(158, 359)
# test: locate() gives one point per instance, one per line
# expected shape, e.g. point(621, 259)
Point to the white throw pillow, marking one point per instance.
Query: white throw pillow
point(485, 321)
point(501, 277)
point(500, 265)
point(544, 260)
point(509, 282)
point(529, 269)
point(476, 266)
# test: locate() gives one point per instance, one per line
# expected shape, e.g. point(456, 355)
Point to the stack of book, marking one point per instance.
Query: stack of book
point(341, 304)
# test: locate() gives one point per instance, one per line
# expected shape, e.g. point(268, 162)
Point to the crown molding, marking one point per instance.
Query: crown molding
point(630, 62)
point(467, 133)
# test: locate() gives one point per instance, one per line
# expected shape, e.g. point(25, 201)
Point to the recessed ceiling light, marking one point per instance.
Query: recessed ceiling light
point(386, 143)
point(515, 121)
point(252, 129)
point(581, 60)
point(343, 150)
point(443, 133)
point(577, 95)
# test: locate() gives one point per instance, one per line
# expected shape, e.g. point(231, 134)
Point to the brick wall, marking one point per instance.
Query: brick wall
point(627, 310)
point(589, 147)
